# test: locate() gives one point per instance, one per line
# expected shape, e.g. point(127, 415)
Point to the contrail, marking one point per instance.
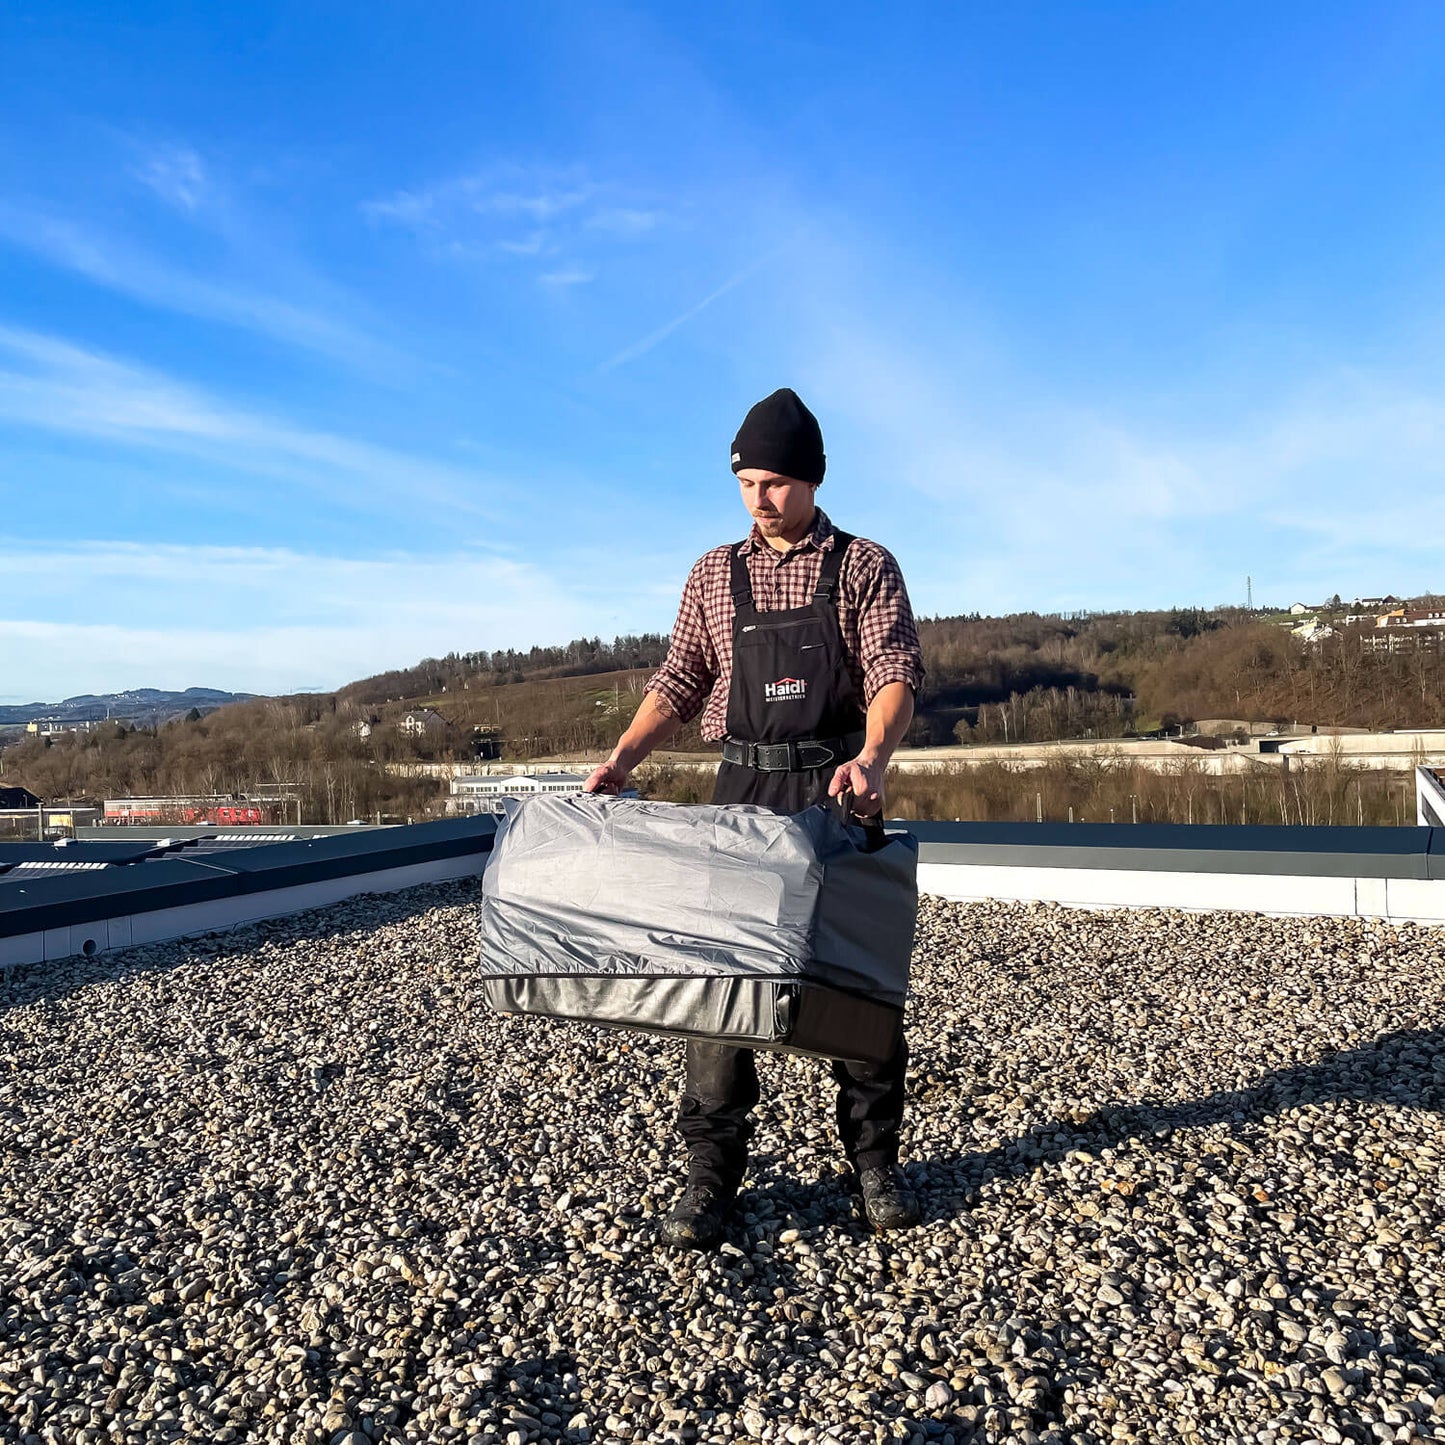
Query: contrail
point(631, 353)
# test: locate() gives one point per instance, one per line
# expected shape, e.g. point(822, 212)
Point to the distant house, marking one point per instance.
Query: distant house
point(1298, 609)
point(424, 722)
point(1313, 631)
point(1403, 617)
point(18, 798)
point(364, 727)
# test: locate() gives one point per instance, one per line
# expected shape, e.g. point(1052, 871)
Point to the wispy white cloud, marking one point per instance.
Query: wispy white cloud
point(1332, 482)
point(545, 203)
point(404, 208)
point(132, 273)
point(519, 211)
point(56, 386)
point(177, 175)
point(625, 221)
point(567, 276)
point(537, 196)
point(267, 619)
point(530, 245)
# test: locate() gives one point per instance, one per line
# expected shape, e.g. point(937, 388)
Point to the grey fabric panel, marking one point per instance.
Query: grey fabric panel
point(577, 880)
point(601, 886)
point(785, 1016)
point(867, 911)
point(740, 1010)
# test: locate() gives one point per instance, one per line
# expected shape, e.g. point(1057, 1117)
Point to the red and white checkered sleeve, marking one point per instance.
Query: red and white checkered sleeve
point(687, 674)
point(888, 645)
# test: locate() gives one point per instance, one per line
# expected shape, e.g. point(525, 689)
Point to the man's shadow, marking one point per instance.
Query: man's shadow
point(1405, 1069)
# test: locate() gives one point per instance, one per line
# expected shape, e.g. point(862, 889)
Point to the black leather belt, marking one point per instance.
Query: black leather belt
point(792, 757)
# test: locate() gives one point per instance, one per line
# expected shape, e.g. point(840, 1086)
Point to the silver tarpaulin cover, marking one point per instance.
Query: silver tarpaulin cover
point(727, 922)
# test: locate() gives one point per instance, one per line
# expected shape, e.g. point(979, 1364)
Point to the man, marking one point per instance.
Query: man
point(799, 649)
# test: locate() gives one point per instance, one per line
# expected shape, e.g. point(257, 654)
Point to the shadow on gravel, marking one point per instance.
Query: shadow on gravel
point(52, 982)
point(1405, 1068)
point(542, 1395)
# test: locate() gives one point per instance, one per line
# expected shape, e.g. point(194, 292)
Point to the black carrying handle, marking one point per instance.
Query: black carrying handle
point(873, 835)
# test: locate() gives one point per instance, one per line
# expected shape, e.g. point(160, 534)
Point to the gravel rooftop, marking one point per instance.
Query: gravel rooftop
point(1182, 1178)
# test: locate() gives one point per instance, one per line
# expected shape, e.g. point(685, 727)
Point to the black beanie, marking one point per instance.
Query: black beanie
point(781, 435)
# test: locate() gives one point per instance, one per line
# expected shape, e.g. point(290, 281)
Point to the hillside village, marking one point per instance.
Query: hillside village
point(1385, 624)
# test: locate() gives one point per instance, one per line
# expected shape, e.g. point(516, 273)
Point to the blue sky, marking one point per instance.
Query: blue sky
point(333, 336)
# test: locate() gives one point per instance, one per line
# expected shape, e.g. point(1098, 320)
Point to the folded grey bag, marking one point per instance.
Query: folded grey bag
point(724, 922)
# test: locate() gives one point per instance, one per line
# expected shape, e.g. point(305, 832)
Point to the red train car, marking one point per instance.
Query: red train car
point(237, 814)
point(158, 812)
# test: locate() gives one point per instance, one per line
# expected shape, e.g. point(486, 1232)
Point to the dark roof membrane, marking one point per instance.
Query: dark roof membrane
point(33, 900)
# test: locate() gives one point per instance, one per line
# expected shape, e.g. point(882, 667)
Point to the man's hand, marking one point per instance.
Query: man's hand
point(652, 725)
point(889, 714)
point(611, 777)
point(864, 777)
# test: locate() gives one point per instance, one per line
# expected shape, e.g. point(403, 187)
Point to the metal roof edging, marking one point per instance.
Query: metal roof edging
point(1407, 853)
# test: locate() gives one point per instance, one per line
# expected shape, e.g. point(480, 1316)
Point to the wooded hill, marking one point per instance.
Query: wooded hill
point(1066, 677)
point(1027, 677)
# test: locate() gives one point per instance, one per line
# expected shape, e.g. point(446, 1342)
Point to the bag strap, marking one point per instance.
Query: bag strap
point(832, 567)
point(741, 582)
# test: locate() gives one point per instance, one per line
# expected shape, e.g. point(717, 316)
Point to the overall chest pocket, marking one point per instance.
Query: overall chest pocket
point(808, 633)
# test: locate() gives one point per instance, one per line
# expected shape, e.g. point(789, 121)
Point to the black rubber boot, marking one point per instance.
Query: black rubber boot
point(888, 1202)
point(696, 1221)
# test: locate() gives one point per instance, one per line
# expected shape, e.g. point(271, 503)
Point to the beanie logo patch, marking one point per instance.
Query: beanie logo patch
point(737, 457)
point(786, 689)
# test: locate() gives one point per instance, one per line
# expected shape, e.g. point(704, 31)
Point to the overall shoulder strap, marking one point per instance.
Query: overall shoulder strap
point(741, 583)
point(832, 566)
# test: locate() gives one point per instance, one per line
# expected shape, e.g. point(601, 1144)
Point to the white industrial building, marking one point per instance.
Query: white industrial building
point(482, 794)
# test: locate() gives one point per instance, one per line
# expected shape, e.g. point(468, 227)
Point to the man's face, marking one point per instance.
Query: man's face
point(781, 506)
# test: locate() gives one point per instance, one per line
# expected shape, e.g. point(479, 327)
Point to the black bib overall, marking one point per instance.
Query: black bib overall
point(790, 683)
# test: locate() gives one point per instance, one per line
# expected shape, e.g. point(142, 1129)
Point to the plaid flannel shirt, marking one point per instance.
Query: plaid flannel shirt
point(879, 634)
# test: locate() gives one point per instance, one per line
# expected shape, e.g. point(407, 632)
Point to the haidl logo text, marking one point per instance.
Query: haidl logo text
point(785, 689)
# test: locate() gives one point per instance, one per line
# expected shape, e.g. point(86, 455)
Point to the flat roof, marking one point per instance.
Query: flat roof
point(231, 1147)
